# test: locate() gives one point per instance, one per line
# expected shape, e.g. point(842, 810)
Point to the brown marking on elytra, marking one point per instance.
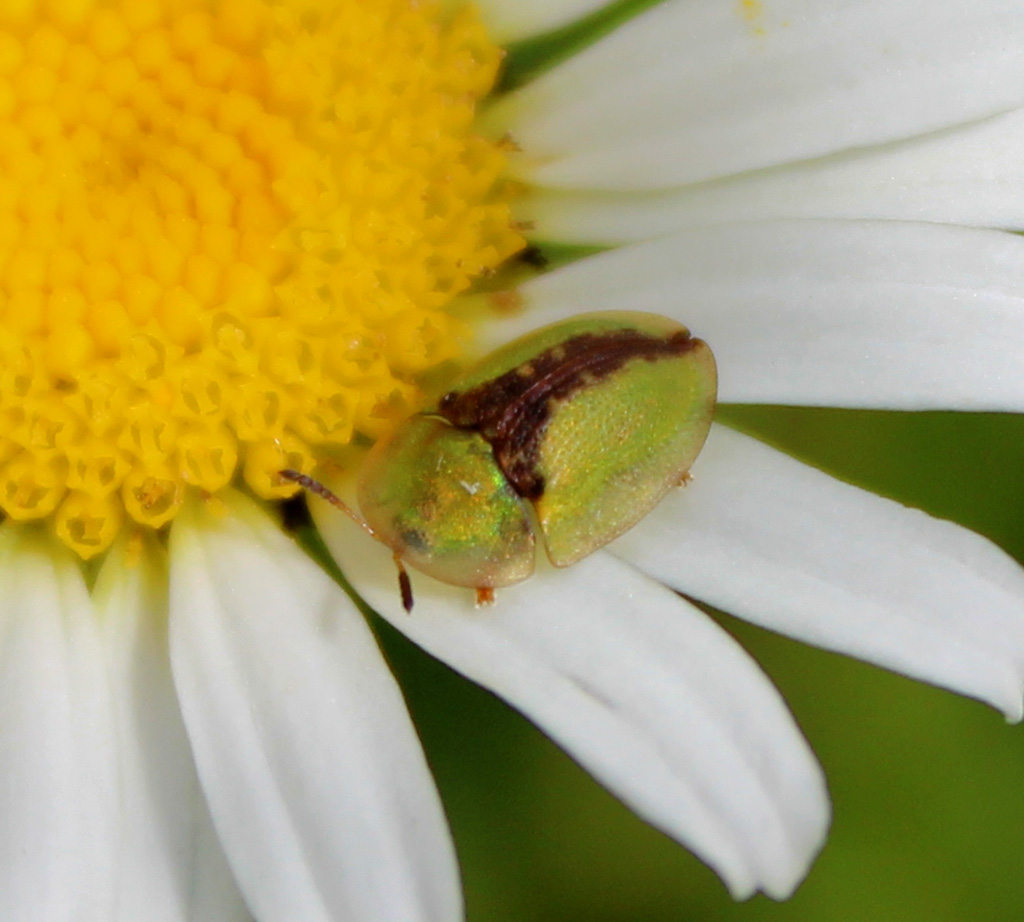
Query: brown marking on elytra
point(512, 411)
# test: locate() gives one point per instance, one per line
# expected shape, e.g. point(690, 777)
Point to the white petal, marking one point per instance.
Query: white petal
point(786, 546)
point(510, 22)
point(834, 313)
point(643, 689)
point(973, 175)
point(698, 89)
point(315, 778)
point(173, 868)
point(58, 808)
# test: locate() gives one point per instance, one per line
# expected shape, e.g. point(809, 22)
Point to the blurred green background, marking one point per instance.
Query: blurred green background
point(927, 787)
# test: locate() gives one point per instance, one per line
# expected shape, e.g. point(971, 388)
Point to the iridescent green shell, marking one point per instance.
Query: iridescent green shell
point(593, 420)
point(435, 496)
point(590, 420)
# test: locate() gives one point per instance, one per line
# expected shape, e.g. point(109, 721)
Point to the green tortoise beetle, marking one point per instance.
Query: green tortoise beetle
point(571, 433)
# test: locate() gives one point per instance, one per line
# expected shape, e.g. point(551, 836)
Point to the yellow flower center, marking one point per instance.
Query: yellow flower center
point(229, 232)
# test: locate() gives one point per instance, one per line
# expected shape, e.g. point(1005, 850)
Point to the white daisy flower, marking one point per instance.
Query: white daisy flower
point(237, 236)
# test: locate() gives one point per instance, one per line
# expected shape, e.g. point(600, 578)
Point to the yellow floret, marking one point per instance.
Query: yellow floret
point(230, 232)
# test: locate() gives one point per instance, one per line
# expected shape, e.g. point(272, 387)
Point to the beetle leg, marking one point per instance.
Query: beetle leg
point(404, 584)
point(484, 596)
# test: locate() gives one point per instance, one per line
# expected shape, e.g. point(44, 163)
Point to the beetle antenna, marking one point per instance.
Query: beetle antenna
point(314, 486)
